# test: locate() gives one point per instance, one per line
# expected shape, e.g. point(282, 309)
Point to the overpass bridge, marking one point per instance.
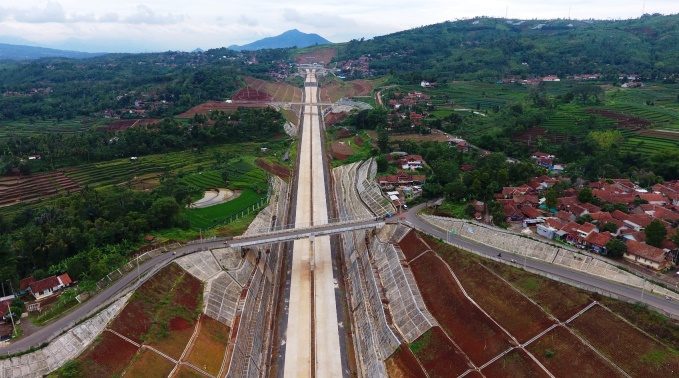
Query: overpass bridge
point(290, 234)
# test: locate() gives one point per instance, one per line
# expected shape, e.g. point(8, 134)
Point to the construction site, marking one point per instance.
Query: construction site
point(387, 301)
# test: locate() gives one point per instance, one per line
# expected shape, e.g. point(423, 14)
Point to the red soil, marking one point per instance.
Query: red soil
point(472, 330)
point(124, 124)
point(412, 246)
point(35, 187)
point(188, 292)
point(251, 94)
point(403, 364)
point(109, 356)
point(515, 364)
point(660, 134)
point(179, 324)
point(562, 353)
point(508, 307)
point(341, 151)
point(622, 120)
point(322, 56)
point(274, 169)
point(333, 118)
point(133, 321)
point(207, 107)
point(439, 356)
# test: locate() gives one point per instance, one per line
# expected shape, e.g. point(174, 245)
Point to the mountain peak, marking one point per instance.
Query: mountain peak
point(290, 38)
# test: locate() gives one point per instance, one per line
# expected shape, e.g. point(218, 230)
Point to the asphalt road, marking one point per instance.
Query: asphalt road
point(573, 276)
point(104, 298)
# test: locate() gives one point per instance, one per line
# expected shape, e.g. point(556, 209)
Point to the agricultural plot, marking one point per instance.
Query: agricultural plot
point(402, 364)
point(561, 301)
point(39, 127)
point(209, 217)
point(157, 306)
point(438, 356)
point(471, 95)
point(650, 145)
point(279, 92)
point(149, 364)
point(211, 343)
point(473, 331)
point(559, 351)
point(626, 346)
point(514, 364)
point(15, 190)
point(107, 357)
point(334, 90)
point(227, 107)
point(513, 311)
point(321, 55)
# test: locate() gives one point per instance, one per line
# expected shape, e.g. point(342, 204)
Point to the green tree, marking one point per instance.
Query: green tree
point(585, 195)
point(164, 211)
point(383, 139)
point(610, 227)
point(552, 198)
point(655, 233)
point(607, 139)
point(616, 248)
point(382, 163)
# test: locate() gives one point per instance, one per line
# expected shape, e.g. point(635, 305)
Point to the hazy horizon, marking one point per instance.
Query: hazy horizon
point(154, 25)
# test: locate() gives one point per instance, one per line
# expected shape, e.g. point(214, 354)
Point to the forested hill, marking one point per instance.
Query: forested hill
point(490, 48)
point(22, 52)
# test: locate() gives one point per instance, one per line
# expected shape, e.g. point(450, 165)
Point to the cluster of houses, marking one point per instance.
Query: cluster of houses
point(588, 226)
point(403, 185)
point(409, 99)
point(547, 161)
point(359, 67)
point(530, 80)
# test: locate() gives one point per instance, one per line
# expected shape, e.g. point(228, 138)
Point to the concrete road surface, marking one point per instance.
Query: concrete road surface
point(312, 290)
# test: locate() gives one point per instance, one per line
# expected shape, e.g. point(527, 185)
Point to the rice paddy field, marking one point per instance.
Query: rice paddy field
point(40, 127)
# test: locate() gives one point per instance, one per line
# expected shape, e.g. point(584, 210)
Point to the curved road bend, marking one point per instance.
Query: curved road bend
point(569, 275)
point(104, 298)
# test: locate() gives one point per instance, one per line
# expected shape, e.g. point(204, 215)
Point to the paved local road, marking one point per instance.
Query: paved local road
point(632, 293)
point(104, 298)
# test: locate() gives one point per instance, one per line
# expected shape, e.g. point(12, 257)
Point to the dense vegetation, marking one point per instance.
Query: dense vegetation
point(58, 150)
point(489, 49)
point(168, 82)
point(89, 233)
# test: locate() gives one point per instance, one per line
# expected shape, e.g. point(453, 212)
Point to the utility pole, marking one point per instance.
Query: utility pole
point(11, 316)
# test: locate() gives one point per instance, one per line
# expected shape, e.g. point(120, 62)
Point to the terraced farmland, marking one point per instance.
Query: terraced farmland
point(122, 170)
point(26, 128)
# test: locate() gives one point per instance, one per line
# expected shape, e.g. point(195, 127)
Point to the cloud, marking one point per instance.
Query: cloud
point(245, 20)
point(52, 12)
point(146, 15)
point(319, 20)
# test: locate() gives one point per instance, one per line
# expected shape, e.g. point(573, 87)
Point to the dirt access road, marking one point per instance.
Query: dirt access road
point(312, 335)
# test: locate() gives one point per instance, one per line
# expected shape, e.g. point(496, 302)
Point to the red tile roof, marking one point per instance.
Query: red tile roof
point(65, 279)
point(531, 212)
point(599, 239)
point(44, 284)
point(586, 228)
point(653, 197)
point(601, 217)
point(25, 282)
point(646, 251)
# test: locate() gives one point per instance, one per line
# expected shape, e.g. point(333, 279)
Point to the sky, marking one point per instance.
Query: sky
point(161, 25)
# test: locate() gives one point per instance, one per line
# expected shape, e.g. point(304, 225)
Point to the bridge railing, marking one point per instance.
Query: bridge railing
point(309, 225)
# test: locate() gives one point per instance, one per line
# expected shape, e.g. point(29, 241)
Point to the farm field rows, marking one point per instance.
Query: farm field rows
point(279, 92)
point(162, 315)
point(39, 127)
point(499, 290)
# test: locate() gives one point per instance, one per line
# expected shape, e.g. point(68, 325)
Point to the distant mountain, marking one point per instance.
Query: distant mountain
point(23, 52)
point(291, 38)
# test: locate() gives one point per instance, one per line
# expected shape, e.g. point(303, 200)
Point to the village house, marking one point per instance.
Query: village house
point(411, 162)
point(400, 179)
point(45, 287)
point(646, 255)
